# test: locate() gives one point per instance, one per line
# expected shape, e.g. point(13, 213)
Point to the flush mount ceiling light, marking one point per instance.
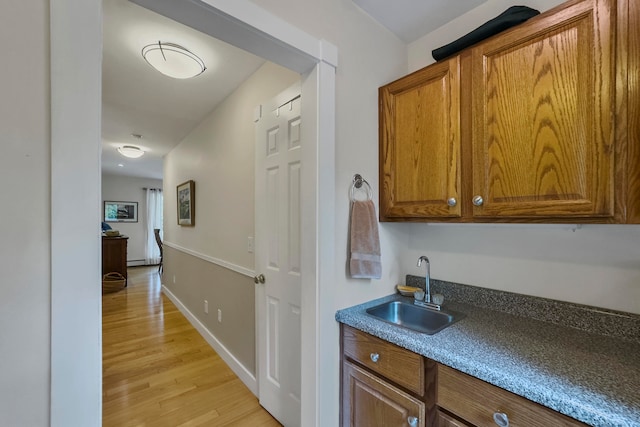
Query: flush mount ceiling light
point(130, 151)
point(173, 60)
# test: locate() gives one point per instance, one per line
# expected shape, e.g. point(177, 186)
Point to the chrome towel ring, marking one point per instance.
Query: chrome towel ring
point(357, 184)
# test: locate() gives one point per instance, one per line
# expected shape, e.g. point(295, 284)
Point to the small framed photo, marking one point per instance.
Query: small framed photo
point(186, 193)
point(120, 211)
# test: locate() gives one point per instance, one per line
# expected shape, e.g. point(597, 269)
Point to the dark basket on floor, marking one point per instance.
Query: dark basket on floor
point(113, 282)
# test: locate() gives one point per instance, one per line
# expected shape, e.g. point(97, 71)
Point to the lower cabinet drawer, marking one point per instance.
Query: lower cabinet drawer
point(368, 401)
point(395, 363)
point(445, 420)
point(476, 402)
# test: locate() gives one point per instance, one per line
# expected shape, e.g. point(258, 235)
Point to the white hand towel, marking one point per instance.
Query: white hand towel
point(364, 248)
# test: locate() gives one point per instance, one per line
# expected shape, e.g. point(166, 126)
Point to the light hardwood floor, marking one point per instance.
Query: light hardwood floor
point(159, 371)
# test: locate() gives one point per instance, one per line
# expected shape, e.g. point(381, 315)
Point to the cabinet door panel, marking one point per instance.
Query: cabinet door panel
point(543, 128)
point(371, 402)
point(420, 143)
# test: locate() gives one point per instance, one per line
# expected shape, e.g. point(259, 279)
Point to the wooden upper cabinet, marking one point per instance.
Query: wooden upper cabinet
point(543, 122)
point(536, 124)
point(420, 144)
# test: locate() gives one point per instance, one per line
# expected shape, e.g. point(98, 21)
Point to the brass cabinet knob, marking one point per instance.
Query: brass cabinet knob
point(259, 279)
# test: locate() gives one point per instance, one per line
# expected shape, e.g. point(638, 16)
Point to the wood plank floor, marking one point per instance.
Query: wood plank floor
point(159, 371)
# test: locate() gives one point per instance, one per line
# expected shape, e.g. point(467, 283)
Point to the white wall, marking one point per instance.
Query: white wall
point(130, 189)
point(76, 333)
point(49, 167)
point(596, 265)
point(25, 255)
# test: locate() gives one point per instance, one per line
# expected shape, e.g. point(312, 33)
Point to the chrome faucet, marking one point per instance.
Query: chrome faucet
point(427, 288)
point(427, 298)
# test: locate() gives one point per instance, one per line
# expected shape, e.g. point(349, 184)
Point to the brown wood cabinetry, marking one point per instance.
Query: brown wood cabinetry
point(531, 125)
point(383, 384)
point(378, 390)
point(114, 255)
point(476, 402)
point(401, 366)
point(420, 143)
point(375, 402)
point(444, 420)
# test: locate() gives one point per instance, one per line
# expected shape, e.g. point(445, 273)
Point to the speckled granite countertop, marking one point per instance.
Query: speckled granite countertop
point(592, 378)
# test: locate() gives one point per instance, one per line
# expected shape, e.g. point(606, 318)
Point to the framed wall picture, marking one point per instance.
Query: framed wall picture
point(120, 211)
point(186, 193)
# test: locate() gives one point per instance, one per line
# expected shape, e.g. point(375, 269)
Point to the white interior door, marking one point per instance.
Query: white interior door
point(278, 257)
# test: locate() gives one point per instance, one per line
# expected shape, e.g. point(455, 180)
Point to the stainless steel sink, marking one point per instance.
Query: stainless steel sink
point(413, 317)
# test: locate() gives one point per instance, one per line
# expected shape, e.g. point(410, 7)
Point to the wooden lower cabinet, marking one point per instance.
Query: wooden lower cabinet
point(444, 420)
point(374, 402)
point(478, 402)
point(376, 392)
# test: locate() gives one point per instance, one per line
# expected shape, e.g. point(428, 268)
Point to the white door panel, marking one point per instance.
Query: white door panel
point(278, 174)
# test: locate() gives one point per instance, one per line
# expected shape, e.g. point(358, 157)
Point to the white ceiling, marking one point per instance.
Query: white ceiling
point(412, 19)
point(137, 99)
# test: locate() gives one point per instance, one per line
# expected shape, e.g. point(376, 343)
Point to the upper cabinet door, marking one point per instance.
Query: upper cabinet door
point(420, 144)
point(543, 127)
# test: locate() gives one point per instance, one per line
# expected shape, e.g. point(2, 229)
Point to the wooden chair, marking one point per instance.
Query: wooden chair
point(156, 231)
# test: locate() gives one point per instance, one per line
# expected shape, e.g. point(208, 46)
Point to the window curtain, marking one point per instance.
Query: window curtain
point(154, 220)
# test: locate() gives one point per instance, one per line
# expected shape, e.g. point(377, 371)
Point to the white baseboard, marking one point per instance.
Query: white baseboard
point(238, 368)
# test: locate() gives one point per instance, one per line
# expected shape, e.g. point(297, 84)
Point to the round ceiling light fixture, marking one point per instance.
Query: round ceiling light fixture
point(131, 151)
point(173, 60)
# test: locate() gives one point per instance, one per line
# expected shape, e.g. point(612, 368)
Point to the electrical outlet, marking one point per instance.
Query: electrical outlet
point(206, 307)
point(250, 246)
point(219, 315)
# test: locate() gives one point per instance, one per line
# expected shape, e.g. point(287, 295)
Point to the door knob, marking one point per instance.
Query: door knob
point(452, 202)
point(259, 279)
point(412, 421)
point(478, 201)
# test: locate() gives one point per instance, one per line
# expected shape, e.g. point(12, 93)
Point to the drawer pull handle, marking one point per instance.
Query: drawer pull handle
point(374, 357)
point(501, 419)
point(413, 421)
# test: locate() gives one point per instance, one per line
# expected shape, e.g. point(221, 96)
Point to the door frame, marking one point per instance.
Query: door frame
point(75, 42)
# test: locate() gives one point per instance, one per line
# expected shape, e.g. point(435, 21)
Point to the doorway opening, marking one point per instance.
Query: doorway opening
point(248, 27)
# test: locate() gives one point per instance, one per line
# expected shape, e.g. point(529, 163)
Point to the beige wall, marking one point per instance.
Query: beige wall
point(130, 189)
point(219, 156)
point(25, 256)
point(197, 280)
